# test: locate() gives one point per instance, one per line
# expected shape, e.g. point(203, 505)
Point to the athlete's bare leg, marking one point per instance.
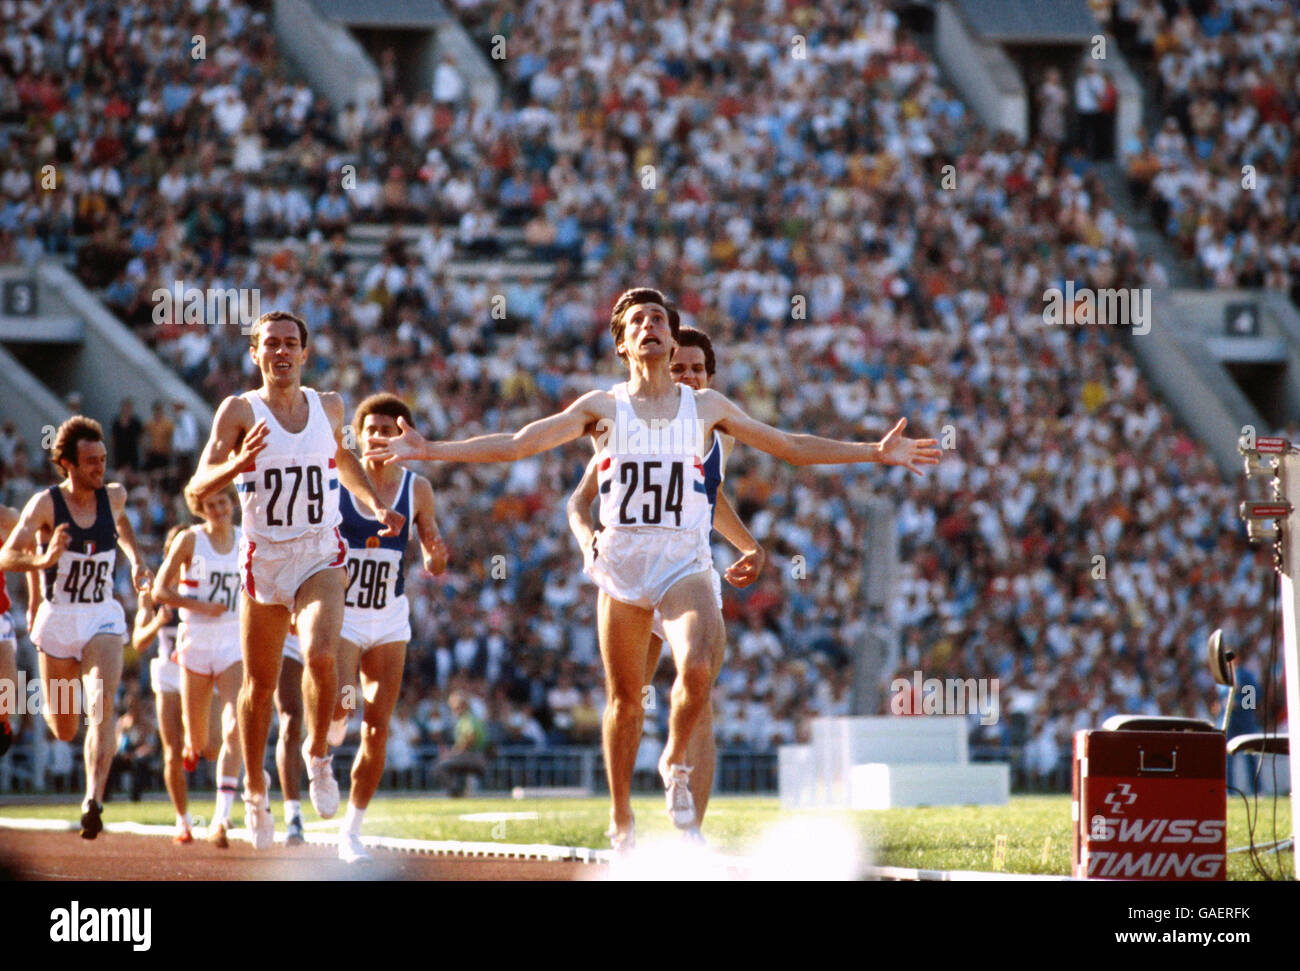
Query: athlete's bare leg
point(319, 610)
point(9, 680)
point(624, 632)
point(652, 658)
point(62, 712)
point(262, 630)
point(697, 638)
point(702, 750)
point(171, 729)
point(701, 756)
point(213, 749)
point(230, 759)
point(101, 665)
point(288, 747)
point(349, 661)
point(381, 680)
point(196, 710)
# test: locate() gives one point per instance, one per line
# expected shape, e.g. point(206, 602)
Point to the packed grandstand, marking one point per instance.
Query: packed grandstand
point(798, 215)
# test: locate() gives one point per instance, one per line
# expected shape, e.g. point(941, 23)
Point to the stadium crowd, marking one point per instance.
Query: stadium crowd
point(1222, 174)
point(799, 211)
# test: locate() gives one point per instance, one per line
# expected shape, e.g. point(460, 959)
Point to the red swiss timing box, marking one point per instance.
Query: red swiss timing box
point(1150, 805)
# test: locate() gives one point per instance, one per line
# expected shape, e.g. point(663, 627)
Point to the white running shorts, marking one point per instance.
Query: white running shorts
point(273, 572)
point(639, 566)
point(64, 631)
point(165, 676)
point(370, 628)
point(208, 648)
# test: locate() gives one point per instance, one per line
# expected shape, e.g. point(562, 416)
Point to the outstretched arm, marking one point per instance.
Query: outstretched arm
point(799, 449)
point(235, 441)
point(578, 507)
point(537, 436)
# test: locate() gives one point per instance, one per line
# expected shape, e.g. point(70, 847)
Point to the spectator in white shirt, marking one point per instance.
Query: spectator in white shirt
point(230, 114)
point(1089, 89)
point(448, 88)
point(758, 641)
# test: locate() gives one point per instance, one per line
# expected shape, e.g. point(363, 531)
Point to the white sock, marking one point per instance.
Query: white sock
point(226, 788)
point(352, 820)
point(292, 808)
point(183, 821)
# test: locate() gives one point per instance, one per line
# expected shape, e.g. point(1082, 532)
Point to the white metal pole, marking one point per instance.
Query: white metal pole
point(1289, 486)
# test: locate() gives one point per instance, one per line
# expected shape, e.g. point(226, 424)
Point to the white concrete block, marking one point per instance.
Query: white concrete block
point(880, 786)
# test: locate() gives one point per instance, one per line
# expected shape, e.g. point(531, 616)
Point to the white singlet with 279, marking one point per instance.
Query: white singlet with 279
point(293, 486)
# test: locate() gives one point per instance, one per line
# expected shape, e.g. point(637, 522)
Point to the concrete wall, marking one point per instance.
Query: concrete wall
point(328, 56)
point(29, 404)
point(1180, 356)
point(74, 344)
point(54, 320)
point(112, 363)
point(985, 77)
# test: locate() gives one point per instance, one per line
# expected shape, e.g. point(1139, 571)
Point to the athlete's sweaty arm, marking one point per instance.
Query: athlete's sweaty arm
point(581, 521)
point(235, 441)
point(141, 577)
point(19, 550)
point(432, 548)
point(351, 473)
point(165, 588)
point(798, 449)
point(149, 620)
point(746, 569)
point(355, 480)
point(580, 417)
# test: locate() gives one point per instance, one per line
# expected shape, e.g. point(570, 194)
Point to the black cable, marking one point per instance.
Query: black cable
point(1255, 860)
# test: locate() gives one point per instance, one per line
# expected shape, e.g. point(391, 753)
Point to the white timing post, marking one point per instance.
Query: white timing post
point(1272, 522)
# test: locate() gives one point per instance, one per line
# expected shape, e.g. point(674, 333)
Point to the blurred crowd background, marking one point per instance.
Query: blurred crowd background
point(795, 209)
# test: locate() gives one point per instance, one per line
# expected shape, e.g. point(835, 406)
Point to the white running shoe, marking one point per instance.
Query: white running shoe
point(258, 821)
point(351, 850)
point(693, 837)
point(681, 805)
point(324, 788)
point(338, 731)
point(622, 841)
